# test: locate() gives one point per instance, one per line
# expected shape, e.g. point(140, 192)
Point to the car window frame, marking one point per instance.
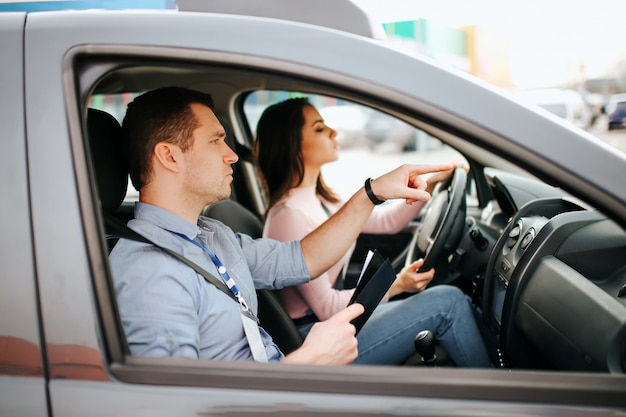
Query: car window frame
point(358, 380)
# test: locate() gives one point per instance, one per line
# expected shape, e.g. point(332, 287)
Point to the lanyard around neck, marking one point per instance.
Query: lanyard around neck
point(249, 320)
point(221, 269)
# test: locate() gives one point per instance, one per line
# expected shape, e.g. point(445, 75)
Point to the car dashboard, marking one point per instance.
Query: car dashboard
point(550, 278)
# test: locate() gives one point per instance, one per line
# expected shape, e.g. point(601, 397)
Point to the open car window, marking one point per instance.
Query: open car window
point(371, 142)
point(376, 135)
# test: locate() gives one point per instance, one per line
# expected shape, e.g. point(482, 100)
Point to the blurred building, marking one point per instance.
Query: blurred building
point(445, 44)
point(470, 49)
point(488, 55)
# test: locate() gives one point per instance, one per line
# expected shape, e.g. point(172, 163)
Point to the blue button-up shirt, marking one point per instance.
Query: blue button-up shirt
point(168, 309)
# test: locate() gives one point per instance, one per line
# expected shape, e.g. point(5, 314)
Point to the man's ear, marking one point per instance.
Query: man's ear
point(167, 155)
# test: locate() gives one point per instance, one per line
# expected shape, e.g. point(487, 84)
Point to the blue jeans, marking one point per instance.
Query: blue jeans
point(387, 337)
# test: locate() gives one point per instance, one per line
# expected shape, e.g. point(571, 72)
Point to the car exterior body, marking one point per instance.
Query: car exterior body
point(62, 349)
point(569, 105)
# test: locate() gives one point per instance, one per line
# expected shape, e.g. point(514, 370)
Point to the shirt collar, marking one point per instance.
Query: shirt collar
point(165, 219)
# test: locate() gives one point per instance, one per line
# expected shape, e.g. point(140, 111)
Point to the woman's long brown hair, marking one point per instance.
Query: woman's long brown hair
point(278, 150)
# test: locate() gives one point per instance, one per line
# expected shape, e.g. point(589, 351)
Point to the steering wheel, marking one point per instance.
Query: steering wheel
point(442, 225)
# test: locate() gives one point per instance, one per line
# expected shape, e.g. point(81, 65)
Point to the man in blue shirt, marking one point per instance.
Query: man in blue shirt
point(180, 163)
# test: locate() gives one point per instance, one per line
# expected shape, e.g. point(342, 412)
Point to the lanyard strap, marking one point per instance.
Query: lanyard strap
point(248, 319)
point(221, 269)
point(121, 230)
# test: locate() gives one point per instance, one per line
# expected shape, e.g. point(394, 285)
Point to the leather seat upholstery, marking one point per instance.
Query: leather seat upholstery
point(105, 144)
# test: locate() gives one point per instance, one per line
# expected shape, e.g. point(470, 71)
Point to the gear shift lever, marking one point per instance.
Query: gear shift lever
point(425, 346)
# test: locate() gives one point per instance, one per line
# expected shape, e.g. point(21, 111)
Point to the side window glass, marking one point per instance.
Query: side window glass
point(371, 142)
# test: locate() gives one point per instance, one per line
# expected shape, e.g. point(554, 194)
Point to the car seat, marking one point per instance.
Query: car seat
point(111, 176)
point(105, 144)
point(104, 135)
point(272, 314)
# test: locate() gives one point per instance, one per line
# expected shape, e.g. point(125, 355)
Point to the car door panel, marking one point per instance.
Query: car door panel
point(72, 267)
point(22, 383)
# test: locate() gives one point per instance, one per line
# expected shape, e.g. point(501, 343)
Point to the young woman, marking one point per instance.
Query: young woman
point(292, 144)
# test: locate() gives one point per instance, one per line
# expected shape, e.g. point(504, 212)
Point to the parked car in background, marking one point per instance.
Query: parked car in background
point(616, 111)
point(358, 126)
point(534, 233)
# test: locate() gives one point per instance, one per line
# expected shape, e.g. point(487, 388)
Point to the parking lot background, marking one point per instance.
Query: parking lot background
point(356, 164)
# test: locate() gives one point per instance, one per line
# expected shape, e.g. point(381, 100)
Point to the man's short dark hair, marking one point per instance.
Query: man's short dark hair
point(161, 115)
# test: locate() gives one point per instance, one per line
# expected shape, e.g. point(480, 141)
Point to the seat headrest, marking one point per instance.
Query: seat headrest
point(105, 141)
point(235, 216)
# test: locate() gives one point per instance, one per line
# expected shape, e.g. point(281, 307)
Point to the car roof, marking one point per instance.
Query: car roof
point(342, 15)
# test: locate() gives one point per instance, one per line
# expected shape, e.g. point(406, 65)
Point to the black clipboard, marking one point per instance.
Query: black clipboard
point(377, 275)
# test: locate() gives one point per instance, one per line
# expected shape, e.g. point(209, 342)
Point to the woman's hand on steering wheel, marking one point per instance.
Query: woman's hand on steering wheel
point(411, 280)
point(441, 227)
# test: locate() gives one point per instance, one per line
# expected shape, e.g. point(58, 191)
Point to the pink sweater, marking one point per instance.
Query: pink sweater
point(298, 213)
